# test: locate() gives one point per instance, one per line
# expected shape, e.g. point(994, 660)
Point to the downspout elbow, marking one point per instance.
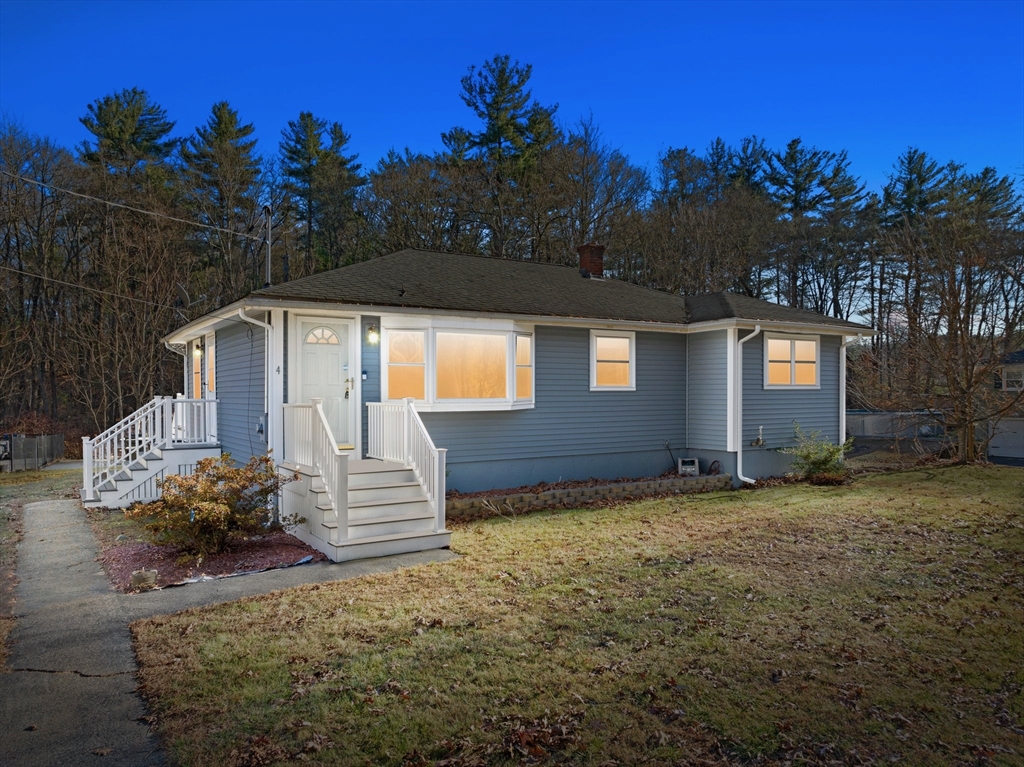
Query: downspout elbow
point(252, 321)
point(739, 406)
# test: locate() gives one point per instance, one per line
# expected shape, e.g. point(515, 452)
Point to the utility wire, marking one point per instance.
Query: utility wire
point(83, 287)
point(258, 238)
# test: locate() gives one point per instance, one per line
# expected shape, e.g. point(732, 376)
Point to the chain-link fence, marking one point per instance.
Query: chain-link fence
point(18, 453)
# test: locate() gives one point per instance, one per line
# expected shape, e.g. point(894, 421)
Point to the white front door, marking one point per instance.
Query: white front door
point(326, 372)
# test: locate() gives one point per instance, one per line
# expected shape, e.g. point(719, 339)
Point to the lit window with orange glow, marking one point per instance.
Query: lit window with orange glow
point(471, 365)
point(406, 364)
point(791, 362)
point(524, 367)
point(612, 360)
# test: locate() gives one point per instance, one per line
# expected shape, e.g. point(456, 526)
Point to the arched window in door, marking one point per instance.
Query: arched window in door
point(322, 335)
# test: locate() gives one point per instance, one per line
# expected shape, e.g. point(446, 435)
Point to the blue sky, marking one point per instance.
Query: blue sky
point(871, 78)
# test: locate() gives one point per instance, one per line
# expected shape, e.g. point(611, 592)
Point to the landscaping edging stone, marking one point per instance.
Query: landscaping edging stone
point(569, 497)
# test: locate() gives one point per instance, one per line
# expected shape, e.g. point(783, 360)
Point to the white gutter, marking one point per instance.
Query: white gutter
point(739, 405)
point(267, 364)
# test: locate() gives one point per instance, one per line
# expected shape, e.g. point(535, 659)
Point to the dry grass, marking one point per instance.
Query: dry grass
point(17, 489)
point(862, 624)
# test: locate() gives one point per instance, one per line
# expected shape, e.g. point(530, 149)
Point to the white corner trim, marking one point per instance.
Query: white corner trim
point(730, 389)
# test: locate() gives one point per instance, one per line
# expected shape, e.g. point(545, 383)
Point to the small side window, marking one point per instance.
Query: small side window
point(791, 361)
point(612, 360)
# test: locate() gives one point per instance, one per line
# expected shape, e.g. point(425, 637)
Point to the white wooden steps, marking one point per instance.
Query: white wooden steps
point(388, 512)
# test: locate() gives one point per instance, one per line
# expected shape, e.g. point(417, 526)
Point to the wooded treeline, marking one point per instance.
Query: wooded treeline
point(933, 261)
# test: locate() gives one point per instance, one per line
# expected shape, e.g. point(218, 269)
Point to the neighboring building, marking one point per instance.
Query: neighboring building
point(517, 372)
point(1006, 443)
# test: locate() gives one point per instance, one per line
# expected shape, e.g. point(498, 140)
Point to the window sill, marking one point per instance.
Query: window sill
point(612, 388)
point(467, 407)
point(785, 387)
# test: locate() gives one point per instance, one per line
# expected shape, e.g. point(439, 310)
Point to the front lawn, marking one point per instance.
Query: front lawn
point(863, 624)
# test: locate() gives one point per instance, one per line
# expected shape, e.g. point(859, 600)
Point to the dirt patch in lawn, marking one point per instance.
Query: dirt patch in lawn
point(126, 548)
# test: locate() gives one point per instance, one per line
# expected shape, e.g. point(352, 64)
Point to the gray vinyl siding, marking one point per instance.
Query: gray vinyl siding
point(572, 432)
point(777, 409)
point(371, 369)
point(240, 379)
point(707, 400)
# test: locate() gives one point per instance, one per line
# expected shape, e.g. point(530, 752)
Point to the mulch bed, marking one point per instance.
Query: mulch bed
point(263, 552)
point(564, 485)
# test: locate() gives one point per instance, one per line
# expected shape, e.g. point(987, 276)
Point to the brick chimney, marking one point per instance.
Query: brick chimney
point(591, 259)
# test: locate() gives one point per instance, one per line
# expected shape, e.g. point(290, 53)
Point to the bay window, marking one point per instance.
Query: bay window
point(457, 365)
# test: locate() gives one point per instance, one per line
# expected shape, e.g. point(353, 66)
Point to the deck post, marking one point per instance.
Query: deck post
point(439, 520)
point(341, 496)
point(87, 483)
point(168, 417)
point(406, 430)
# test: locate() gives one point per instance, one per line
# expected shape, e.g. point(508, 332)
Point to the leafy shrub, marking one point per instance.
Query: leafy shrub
point(199, 513)
point(817, 459)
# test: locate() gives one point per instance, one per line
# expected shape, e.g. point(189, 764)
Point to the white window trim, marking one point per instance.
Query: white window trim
point(594, 335)
point(793, 337)
point(1018, 370)
point(430, 328)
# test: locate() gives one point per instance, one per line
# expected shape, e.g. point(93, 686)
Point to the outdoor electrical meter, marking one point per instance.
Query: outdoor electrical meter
point(688, 467)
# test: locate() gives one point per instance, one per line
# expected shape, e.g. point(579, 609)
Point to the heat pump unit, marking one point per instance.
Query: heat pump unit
point(688, 467)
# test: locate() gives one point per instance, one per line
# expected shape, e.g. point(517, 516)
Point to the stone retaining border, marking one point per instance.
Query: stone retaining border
point(456, 508)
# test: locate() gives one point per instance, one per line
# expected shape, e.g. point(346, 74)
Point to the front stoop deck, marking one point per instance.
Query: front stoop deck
point(388, 512)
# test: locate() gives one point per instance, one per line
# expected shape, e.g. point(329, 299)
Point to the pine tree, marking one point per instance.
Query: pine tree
point(321, 178)
point(130, 131)
point(223, 174)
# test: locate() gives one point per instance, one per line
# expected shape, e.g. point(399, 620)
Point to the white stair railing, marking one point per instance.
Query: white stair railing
point(161, 423)
point(332, 465)
point(396, 433)
point(298, 435)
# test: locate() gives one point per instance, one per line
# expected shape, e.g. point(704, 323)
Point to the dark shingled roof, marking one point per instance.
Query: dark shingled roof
point(453, 282)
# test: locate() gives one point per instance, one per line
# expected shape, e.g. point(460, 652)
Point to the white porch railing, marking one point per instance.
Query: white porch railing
point(332, 464)
point(298, 434)
point(165, 422)
point(396, 433)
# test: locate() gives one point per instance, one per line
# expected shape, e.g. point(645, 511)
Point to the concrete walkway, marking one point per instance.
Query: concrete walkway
point(69, 695)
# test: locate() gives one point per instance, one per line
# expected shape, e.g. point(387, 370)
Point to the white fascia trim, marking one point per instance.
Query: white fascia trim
point(200, 326)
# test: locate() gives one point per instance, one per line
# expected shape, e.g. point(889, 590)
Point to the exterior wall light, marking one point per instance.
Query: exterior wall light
point(372, 334)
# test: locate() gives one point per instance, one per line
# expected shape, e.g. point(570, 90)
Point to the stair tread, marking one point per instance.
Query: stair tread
point(388, 520)
point(372, 466)
point(384, 486)
point(390, 537)
point(388, 502)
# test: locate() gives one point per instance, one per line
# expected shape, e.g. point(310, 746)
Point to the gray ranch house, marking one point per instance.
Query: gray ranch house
point(384, 382)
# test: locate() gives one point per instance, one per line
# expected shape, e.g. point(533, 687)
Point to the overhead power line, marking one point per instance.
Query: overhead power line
point(257, 237)
point(83, 287)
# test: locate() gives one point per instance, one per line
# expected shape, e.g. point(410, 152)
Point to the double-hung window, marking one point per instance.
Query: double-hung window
point(612, 360)
point(458, 365)
point(791, 361)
